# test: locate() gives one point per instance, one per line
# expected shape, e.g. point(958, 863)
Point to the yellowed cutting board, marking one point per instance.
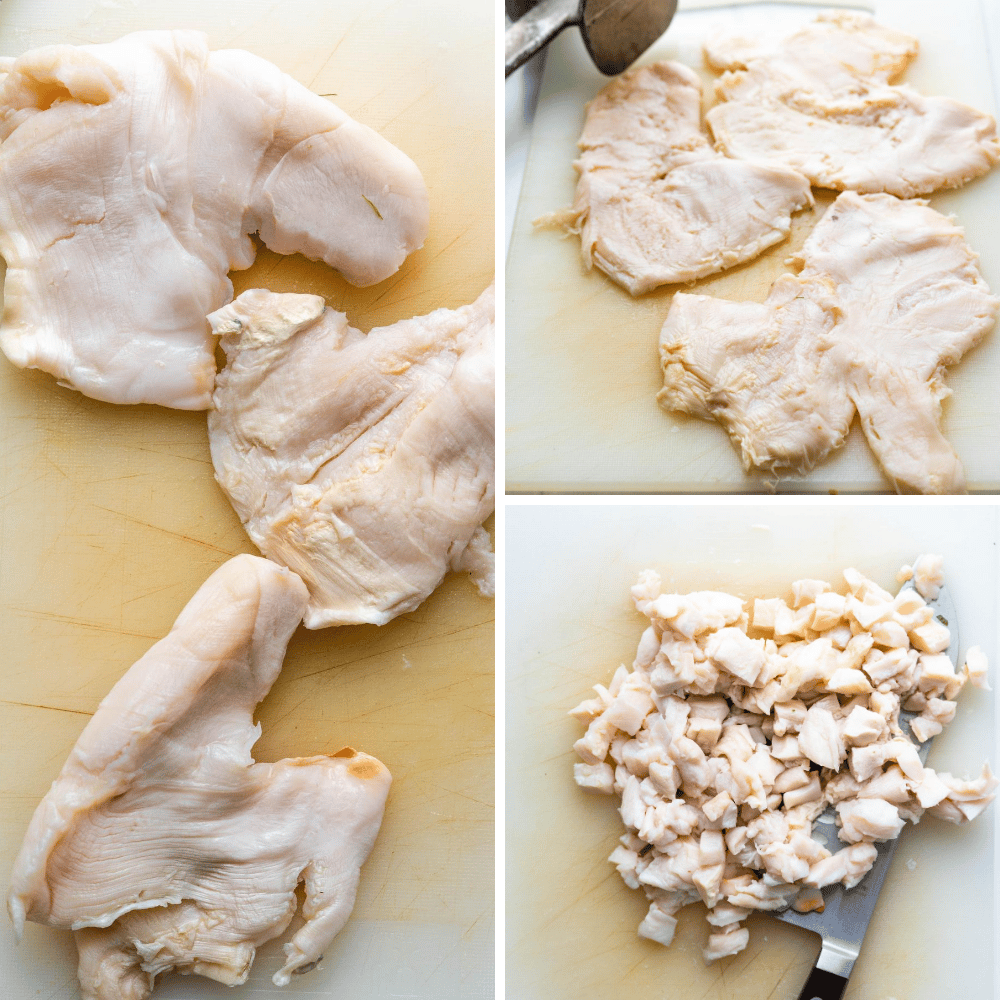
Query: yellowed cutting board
point(582, 364)
point(571, 921)
point(110, 520)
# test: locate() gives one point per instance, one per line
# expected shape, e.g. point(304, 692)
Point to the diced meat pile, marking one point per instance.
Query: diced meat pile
point(735, 729)
point(655, 203)
point(889, 294)
point(821, 103)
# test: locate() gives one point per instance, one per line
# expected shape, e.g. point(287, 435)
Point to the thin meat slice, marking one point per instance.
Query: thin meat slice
point(131, 174)
point(888, 297)
point(821, 102)
point(763, 370)
point(162, 844)
point(655, 203)
point(362, 462)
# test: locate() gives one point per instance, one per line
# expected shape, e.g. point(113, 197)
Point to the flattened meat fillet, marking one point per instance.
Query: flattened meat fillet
point(362, 462)
point(655, 203)
point(162, 844)
point(821, 103)
point(889, 295)
point(130, 176)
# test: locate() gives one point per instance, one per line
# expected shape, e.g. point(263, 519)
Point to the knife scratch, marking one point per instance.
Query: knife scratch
point(51, 708)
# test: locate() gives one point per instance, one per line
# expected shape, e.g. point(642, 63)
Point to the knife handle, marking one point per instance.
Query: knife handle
point(823, 985)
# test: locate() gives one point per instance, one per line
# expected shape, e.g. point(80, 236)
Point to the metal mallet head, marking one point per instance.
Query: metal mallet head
point(616, 32)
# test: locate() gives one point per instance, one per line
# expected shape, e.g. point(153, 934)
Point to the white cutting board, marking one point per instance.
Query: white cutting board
point(110, 520)
point(571, 921)
point(582, 364)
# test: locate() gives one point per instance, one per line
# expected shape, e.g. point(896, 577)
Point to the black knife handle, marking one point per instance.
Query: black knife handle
point(823, 985)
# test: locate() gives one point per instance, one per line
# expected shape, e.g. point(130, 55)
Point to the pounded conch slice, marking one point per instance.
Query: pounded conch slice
point(820, 102)
point(162, 844)
point(363, 462)
point(655, 203)
point(130, 176)
point(889, 295)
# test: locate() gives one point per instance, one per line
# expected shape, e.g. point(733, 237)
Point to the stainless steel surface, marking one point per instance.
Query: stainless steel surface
point(845, 917)
point(616, 32)
point(536, 29)
point(516, 9)
point(836, 957)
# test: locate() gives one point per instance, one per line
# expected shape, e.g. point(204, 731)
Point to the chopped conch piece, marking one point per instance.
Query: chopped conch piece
point(726, 749)
point(728, 941)
point(976, 667)
point(819, 738)
point(868, 819)
point(928, 575)
point(598, 777)
point(931, 637)
point(809, 792)
point(658, 925)
point(848, 866)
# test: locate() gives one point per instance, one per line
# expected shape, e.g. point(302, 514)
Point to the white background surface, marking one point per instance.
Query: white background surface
point(570, 622)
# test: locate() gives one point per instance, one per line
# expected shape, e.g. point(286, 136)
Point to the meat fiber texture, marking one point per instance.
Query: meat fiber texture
point(888, 296)
point(213, 843)
point(363, 462)
point(655, 203)
point(131, 174)
point(821, 103)
point(736, 728)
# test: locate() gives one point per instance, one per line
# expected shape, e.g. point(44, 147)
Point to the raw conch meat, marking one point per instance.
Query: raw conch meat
point(655, 203)
point(821, 103)
point(162, 845)
point(130, 176)
point(362, 462)
point(889, 295)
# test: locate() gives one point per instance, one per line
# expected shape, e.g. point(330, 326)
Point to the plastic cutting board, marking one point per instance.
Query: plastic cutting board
point(571, 921)
point(582, 362)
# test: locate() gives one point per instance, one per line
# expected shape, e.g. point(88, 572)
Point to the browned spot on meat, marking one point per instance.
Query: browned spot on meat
point(365, 769)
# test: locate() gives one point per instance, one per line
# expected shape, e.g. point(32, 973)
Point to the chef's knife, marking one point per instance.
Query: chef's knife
point(616, 32)
point(845, 916)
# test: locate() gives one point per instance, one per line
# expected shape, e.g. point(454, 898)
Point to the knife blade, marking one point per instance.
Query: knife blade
point(846, 914)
